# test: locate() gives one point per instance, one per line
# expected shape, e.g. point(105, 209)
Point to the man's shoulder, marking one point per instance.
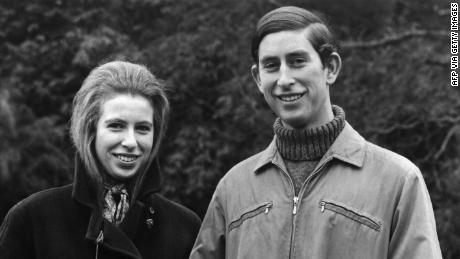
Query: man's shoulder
point(244, 168)
point(384, 158)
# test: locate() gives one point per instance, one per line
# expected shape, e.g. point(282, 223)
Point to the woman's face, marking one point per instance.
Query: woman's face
point(124, 135)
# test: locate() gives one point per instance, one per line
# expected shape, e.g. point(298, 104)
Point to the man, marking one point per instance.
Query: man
point(319, 190)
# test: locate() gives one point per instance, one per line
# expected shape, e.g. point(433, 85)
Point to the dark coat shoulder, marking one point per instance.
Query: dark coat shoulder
point(51, 224)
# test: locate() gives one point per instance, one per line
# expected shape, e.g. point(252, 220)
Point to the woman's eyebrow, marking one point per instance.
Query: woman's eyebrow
point(114, 120)
point(148, 123)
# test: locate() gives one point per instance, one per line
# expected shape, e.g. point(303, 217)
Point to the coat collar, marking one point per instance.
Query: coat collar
point(84, 191)
point(349, 147)
point(119, 238)
point(116, 238)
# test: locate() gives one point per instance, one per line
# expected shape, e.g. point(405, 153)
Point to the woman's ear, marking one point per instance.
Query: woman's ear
point(333, 65)
point(256, 76)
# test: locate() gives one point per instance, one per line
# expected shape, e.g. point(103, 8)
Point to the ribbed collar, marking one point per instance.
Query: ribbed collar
point(308, 144)
point(349, 148)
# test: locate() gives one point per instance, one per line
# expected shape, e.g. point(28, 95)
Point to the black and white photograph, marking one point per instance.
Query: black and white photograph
point(229, 129)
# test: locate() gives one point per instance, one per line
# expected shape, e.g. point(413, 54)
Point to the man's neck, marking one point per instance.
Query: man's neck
point(309, 143)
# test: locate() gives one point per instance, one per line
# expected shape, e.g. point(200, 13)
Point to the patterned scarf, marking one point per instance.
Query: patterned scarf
point(116, 203)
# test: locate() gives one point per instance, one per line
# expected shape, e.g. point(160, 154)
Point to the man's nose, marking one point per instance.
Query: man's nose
point(285, 78)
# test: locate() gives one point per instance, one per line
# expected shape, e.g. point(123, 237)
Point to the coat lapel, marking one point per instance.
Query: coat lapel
point(116, 238)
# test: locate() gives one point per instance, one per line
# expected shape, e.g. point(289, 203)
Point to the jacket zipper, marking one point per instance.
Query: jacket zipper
point(296, 202)
point(294, 216)
point(294, 208)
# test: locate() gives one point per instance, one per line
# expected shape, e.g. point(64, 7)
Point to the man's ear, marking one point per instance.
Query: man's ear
point(333, 65)
point(256, 76)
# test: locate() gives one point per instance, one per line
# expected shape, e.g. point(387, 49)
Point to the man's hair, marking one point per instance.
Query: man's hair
point(103, 82)
point(291, 18)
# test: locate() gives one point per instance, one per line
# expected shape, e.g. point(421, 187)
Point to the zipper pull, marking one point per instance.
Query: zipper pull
point(296, 200)
point(268, 207)
point(99, 240)
point(322, 205)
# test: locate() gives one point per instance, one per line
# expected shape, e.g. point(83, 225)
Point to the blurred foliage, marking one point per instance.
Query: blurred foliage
point(396, 94)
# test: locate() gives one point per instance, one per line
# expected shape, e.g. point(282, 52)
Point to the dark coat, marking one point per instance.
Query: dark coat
point(62, 223)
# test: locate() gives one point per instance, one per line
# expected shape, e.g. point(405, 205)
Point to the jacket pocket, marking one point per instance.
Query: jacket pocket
point(351, 214)
point(261, 208)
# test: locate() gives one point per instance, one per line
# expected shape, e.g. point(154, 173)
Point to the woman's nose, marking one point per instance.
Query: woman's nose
point(129, 139)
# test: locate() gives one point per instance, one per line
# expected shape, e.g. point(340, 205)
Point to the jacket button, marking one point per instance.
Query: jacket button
point(151, 210)
point(149, 223)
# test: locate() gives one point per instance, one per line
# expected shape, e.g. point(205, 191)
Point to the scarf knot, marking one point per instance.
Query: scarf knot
point(116, 203)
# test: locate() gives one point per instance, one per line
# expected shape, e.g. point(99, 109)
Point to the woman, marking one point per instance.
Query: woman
point(112, 209)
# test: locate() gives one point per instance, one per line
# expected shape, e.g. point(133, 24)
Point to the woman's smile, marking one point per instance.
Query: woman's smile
point(126, 158)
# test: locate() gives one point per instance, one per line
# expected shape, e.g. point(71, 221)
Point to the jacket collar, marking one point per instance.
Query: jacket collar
point(349, 147)
point(115, 238)
point(84, 191)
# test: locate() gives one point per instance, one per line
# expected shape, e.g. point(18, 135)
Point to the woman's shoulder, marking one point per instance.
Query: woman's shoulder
point(48, 195)
point(43, 200)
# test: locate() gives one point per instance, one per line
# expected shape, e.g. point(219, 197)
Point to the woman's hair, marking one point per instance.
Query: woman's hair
point(102, 83)
point(291, 18)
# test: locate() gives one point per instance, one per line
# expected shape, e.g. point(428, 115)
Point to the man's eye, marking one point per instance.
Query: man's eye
point(299, 61)
point(270, 66)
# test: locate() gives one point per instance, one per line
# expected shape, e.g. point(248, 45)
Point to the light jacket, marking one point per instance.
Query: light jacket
point(361, 202)
point(63, 223)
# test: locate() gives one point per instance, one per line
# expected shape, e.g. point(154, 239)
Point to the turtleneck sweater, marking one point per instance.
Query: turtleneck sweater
point(302, 149)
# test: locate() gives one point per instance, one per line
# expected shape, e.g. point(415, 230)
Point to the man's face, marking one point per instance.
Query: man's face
point(293, 80)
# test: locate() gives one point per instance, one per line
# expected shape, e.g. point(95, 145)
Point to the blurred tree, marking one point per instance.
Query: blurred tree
point(394, 87)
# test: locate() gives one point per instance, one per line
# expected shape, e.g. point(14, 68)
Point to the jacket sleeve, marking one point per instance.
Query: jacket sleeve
point(413, 230)
point(210, 242)
point(15, 238)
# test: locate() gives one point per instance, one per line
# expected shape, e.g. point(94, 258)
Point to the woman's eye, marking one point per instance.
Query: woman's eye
point(115, 126)
point(144, 129)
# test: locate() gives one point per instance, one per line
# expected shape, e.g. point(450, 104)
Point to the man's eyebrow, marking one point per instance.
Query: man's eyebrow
point(299, 53)
point(268, 58)
point(294, 53)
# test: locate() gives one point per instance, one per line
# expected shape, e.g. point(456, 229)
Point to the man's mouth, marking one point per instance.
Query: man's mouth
point(126, 158)
point(290, 98)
